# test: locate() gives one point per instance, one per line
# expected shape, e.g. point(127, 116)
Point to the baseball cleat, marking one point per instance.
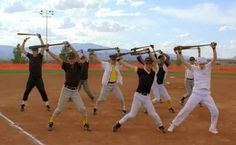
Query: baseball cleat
point(212, 130)
point(50, 126)
point(162, 129)
point(124, 111)
point(86, 127)
point(22, 107)
point(181, 101)
point(116, 126)
point(48, 108)
point(171, 128)
point(94, 111)
point(171, 110)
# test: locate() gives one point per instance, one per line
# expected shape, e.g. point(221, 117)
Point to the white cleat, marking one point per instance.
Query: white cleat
point(214, 131)
point(171, 128)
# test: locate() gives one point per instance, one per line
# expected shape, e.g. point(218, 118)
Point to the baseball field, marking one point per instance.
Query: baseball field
point(30, 127)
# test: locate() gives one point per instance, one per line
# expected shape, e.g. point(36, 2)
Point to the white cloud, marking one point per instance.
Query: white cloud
point(227, 28)
point(184, 35)
point(105, 26)
point(15, 6)
point(233, 44)
point(70, 4)
point(107, 12)
point(202, 13)
point(133, 3)
point(67, 23)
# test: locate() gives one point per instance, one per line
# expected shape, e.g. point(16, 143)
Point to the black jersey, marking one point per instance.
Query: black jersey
point(72, 73)
point(145, 81)
point(84, 72)
point(35, 64)
point(161, 74)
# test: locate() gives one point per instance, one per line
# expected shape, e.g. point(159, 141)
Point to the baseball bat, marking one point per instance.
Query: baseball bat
point(40, 46)
point(102, 49)
point(29, 34)
point(192, 46)
point(122, 54)
point(136, 48)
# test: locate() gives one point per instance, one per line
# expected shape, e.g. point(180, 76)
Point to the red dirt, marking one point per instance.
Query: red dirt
point(98, 67)
point(139, 131)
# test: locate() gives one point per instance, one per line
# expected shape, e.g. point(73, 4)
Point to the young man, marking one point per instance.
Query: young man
point(69, 90)
point(188, 81)
point(35, 74)
point(110, 82)
point(158, 87)
point(201, 91)
point(146, 77)
point(84, 77)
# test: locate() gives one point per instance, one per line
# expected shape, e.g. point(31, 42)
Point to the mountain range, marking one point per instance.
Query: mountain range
point(6, 51)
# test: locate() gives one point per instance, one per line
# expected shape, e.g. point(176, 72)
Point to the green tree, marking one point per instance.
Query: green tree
point(178, 62)
point(18, 58)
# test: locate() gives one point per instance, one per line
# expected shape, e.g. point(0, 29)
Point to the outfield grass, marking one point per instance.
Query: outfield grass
point(13, 72)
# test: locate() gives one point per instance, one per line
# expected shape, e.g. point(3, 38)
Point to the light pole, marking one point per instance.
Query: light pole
point(46, 14)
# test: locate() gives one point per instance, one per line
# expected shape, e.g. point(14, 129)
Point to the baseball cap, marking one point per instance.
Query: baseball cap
point(148, 60)
point(192, 58)
point(201, 60)
point(70, 55)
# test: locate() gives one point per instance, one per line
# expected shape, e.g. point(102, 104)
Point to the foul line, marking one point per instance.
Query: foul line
point(21, 129)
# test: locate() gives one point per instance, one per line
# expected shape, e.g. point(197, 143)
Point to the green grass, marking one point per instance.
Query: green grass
point(14, 72)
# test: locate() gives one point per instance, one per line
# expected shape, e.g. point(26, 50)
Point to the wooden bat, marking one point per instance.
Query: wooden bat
point(101, 49)
point(136, 48)
point(32, 34)
point(40, 46)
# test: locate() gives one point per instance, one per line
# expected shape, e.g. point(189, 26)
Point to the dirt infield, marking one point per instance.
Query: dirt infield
point(139, 131)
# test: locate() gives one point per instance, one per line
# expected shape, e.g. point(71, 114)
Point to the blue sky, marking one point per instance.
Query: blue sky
point(125, 23)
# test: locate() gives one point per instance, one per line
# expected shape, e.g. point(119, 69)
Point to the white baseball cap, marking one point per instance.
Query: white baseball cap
point(201, 60)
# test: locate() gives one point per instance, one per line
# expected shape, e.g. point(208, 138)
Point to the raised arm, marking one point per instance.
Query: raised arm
point(69, 47)
point(128, 65)
point(22, 47)
point(54, 56)
point(214, 58)
point(94, 57)
point(42, 43)
point(140, 59)
point(180, 56)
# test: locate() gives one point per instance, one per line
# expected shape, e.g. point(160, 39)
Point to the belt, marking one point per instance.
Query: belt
point(111, 82)
point(143, 93)
point(71, 88)
point(189, 79)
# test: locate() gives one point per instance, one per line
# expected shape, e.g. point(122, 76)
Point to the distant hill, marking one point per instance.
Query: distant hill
point(6, 51)
point(234, 58)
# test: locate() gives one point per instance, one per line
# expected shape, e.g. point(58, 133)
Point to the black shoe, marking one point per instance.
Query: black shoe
point(22, 107)
point(124, 111)
point(116, 127)
point(162, 129)
point(50, 126)
point(171, 110)
point(94, 111)
point(48, 108)
point(86, 127)
point(181, 101)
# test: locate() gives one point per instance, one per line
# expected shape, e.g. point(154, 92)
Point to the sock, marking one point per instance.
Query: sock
point(169, 105)
point(85, 120)
point(52, 119)
point(23, 102)
point(46, 103)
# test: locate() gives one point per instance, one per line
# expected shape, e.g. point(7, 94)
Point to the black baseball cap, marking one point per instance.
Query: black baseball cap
point(192, 58)
point(71, 55)
point(148, 60)
point(113, 57)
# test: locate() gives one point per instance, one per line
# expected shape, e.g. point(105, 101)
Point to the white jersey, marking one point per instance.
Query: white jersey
point(202, 78)
point(107, 72)
point(189, 73)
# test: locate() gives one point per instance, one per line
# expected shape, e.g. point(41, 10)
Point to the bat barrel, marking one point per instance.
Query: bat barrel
point(102, 49)
point(141, 47)
point(30, 34)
